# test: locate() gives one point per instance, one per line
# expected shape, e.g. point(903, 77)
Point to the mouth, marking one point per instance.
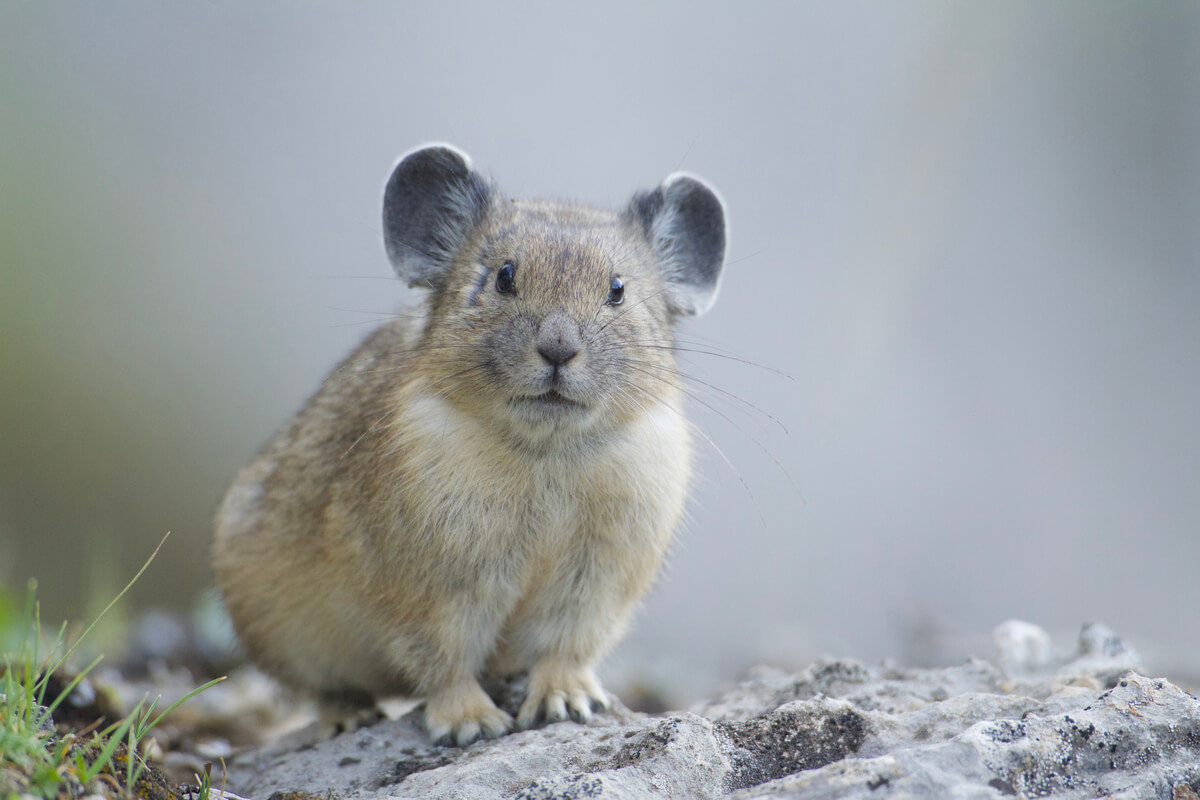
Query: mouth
point(549, 400)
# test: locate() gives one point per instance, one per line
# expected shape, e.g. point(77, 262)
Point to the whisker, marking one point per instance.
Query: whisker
point(377, 312)
point(729, 463)
point(626, 309)
point(374, 425)
point(687, 153)
point(755, 254)
point(716, 354)
point(696, 398)
point(356, 323)
point(730, 395)
point(388, 278)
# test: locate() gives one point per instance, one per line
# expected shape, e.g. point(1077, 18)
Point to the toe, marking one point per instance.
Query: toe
point(495, 724)
point(556, 707)
point(466, 732)
point(580, 705)
point(527, 716)
point(462, 714)
point(558, 692)
point(441, 736)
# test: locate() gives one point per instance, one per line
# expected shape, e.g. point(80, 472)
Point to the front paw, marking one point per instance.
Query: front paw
point(463, 713)
point(558, 691)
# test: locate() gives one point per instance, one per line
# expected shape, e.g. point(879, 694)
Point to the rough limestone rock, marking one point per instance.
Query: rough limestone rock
point(1025, 725)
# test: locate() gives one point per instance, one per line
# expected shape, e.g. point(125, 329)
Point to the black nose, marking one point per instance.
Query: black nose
point(557, 352)
point(558, 340)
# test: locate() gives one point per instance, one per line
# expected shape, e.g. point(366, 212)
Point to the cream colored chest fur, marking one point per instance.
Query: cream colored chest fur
point(581, 523)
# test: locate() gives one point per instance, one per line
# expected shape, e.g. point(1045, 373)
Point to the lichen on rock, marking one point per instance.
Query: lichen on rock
point(1024, 725)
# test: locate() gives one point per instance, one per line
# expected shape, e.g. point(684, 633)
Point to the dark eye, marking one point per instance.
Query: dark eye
point(505, 283)
point(616, 292)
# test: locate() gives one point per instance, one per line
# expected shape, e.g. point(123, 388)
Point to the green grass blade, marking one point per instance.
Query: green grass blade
point(70, 687)
point(27, 609)
point(114, 741)
point(143, 731)
point(108, 607)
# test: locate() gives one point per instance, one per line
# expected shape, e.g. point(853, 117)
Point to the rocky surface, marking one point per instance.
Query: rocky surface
point(1025, 725)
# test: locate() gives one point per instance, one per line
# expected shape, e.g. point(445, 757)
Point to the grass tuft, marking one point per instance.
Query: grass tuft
point(37, 762)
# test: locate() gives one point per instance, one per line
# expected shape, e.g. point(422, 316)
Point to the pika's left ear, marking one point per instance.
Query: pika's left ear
point(684, 221)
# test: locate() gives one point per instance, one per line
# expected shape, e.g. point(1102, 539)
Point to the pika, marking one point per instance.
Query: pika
point(490, 486)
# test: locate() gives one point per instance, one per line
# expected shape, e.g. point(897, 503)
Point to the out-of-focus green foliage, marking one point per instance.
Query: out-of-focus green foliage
point(33, 760)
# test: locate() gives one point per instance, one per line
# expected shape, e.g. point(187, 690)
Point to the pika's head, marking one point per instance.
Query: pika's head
point(550, 317)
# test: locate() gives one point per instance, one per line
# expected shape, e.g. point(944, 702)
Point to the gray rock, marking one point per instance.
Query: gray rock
point(1021, 645)
point(1028, 725)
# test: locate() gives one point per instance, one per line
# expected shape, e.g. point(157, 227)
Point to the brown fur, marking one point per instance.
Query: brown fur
point(418, 525)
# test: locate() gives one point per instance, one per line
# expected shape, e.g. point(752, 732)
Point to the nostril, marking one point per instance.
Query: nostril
point(558, 339)
point(557, 353)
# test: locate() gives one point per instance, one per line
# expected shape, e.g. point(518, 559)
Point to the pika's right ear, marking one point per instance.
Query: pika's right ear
point(432, 203)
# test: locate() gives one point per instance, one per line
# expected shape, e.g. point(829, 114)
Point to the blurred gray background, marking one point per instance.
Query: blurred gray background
point(965, 233)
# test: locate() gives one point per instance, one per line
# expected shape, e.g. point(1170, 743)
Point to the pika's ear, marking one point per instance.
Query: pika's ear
point(684, 221)
point(430, 206)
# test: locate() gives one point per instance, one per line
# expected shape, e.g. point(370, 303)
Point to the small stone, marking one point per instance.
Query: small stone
point(1099, 640)
point(214, 748)
point(1021, 645)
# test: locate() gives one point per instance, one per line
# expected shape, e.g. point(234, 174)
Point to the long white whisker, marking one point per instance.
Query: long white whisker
point(646, 370)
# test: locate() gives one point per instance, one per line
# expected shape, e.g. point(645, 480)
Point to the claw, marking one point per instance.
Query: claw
point(463, 714)
point(466, 732)
point(558, 692)
point(580, 705)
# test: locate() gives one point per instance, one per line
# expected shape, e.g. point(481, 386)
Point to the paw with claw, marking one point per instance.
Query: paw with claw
point(463, 713)
point(558, 691)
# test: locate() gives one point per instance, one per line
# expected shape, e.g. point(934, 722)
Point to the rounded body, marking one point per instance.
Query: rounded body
point(486, 488)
